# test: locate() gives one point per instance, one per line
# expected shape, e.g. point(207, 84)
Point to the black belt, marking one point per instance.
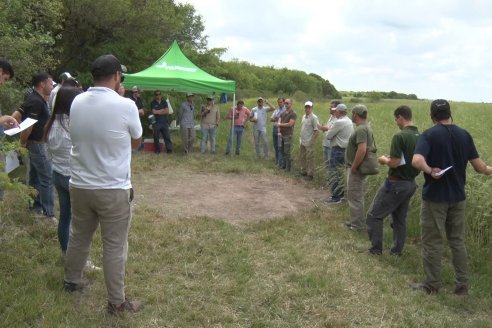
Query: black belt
point(239, 126)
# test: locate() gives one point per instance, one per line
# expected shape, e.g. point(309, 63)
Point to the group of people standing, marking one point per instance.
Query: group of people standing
point(81, 143)
point(442, 153)
point(84, 145)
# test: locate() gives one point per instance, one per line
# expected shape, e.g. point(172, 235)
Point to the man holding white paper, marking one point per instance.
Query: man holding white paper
point(445, 145)
point(393, 197)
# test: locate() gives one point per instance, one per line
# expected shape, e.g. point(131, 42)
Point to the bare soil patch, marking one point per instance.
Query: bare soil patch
point(233, 197)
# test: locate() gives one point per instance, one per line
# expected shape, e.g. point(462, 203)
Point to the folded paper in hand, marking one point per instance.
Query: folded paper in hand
point(443, 171)
point(24, 125)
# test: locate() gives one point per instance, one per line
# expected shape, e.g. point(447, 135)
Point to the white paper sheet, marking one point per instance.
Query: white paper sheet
point(24, 125)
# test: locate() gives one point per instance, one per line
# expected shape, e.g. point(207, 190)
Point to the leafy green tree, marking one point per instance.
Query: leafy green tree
point(136, 31)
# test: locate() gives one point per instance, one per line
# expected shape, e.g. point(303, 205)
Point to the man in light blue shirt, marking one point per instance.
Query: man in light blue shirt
point(259, 117)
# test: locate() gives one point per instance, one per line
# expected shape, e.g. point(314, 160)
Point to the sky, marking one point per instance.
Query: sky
point(434, 48)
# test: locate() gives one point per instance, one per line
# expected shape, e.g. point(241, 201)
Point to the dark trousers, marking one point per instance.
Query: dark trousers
point(393, 197)
point(162, 129)
point(286, 146)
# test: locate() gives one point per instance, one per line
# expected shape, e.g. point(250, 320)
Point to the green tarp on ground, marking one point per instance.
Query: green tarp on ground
point(174, 72)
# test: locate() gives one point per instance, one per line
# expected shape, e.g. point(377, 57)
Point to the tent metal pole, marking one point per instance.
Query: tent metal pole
point(232, 122)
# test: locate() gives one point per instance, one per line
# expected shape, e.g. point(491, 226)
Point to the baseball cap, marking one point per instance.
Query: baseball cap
point(360, 109)
point(189, 94)
point(440, 109)
point(65, 76)
point(341, 108)
point(210, 97)
point(260, 98)
point(105, 65)
point(308, 103)
point(135, 88)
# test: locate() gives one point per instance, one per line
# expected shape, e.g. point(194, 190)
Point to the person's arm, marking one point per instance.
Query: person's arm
point(359, 156)
point(392, 162)
point(323, 127)
point(270, 107)
point(160, 111)
point(480, 166)
point(288, 124)
point(217, 117)
point(24, 135)
point(418, 162)
point(17, 115)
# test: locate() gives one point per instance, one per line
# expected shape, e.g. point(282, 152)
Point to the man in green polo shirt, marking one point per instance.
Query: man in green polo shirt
point(393, 197)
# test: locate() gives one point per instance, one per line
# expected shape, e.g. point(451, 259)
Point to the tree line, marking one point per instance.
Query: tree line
point(67, 35)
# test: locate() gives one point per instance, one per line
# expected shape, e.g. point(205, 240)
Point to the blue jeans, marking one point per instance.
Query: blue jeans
point(40, 178)
point(261, 135)
point(238, 131)
point(276, 145)
point(208, 133)
point(162, 129)
point(326, 157)
point(335, 172)
point(62, 187)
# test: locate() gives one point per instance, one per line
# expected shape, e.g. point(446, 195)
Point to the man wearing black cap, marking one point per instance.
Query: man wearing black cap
point(104, 127)
point(442, 153)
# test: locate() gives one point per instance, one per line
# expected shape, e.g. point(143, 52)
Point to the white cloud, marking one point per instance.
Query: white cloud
point(434, 48)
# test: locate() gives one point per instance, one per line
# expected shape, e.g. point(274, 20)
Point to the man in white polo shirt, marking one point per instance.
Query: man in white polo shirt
point(104, 127)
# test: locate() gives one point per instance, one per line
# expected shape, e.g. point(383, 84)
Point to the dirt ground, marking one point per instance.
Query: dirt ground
point(233, 197)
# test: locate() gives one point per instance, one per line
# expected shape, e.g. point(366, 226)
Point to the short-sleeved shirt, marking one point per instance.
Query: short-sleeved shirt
point(186, 115)
point(241, 117)
point(161, 119)
point(309, 125)
point(277, 113)
point(138, 102)
point(331, 120)
point(362, 134)
point(261, 118)
point(339, 133)
point(211, 119)
point(36, 108)
point(443, 146)
point(102, 126)
point(285, 118)
point(403, 144)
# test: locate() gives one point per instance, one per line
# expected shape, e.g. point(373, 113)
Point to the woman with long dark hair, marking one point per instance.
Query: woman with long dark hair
point(57, 136)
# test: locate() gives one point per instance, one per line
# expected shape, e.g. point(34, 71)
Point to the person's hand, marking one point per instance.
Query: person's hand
point(8, 122)
point(434, 172)
point(383, 160)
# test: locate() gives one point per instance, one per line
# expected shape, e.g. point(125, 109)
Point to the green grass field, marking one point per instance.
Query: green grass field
point(303, 270)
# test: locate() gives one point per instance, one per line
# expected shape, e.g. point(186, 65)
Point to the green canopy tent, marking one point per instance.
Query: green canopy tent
point(174, 72)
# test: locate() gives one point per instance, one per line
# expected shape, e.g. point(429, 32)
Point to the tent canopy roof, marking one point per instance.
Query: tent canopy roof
point(175, 72)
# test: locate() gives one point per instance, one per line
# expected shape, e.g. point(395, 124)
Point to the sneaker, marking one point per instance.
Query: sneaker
point(331, 201)
point(52, 219)
point(126, 306)
point(423, 288)
point(353, 227)
point(71, 287)
point(89, 266)
point(461, 290)
point(372, 251)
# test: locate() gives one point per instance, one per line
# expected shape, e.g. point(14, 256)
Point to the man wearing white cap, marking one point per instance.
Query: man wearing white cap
point(309, 132)
point(259, 117)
